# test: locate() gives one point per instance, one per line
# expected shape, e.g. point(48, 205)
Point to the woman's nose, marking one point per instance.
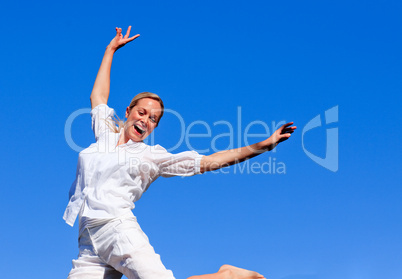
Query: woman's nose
point(147, 119)
point(144, 121)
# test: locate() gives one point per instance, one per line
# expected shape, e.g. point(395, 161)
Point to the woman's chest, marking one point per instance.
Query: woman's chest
point(119, 162)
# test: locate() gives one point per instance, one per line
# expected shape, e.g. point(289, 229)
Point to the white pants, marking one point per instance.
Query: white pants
point(116, 248)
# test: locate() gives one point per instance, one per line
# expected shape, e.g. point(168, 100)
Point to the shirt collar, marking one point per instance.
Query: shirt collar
point(130, 142)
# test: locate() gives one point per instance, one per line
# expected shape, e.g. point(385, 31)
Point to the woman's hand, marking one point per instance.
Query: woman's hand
point(280, 135)
point(120, 41)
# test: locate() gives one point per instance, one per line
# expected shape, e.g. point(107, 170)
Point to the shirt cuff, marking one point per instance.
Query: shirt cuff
point(197, 164)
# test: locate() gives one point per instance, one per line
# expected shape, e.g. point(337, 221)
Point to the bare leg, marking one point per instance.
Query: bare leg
point(230, 272)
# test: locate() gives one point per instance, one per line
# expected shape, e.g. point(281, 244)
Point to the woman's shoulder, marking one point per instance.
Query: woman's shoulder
point(155, 149)
point(101, 108)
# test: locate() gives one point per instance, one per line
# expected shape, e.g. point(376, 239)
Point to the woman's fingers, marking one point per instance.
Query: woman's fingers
point(133, 38)
point(287, 131)
point(128, 32)
point(287, 124)
point(126, 37)
point(285, 128)
point(291, 128)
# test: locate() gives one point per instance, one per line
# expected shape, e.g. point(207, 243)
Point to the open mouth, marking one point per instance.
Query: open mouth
point(139, 130)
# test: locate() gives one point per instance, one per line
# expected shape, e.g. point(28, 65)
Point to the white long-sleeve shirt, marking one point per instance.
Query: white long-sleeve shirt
point(111, 178)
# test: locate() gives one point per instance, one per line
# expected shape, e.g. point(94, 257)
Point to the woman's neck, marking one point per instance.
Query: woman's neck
point(122, 138)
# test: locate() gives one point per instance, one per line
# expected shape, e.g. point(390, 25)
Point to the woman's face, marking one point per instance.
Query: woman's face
point(142, 119)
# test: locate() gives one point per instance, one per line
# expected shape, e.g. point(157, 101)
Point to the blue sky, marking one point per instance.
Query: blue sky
point(273, 61)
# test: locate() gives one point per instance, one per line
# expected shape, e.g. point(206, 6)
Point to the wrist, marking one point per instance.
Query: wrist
point(261, 147)
point(111, 49)
point(269, 143)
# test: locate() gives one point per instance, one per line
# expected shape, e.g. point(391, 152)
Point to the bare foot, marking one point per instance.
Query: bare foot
point(239, 273)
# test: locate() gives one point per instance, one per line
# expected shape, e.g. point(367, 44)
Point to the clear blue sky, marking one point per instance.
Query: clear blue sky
point(277, 61)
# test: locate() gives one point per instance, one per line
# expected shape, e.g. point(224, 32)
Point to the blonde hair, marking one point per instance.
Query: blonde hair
point(118, 124)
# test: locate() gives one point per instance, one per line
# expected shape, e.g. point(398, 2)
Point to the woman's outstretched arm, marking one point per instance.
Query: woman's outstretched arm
point(230, 157)
point(100, 91)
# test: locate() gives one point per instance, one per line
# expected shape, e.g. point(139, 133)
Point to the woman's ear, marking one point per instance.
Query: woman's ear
point(127, 112)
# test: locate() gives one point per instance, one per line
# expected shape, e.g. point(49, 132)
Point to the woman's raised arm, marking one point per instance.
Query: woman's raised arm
point(234, 156)
point(100, 91)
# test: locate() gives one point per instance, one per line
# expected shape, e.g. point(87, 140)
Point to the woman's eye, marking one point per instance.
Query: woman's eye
point(153, 120)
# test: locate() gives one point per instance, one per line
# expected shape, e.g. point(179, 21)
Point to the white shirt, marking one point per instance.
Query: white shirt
point(111, 178)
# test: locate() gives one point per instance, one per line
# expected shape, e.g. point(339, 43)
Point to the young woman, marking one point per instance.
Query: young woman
point(115, 171)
